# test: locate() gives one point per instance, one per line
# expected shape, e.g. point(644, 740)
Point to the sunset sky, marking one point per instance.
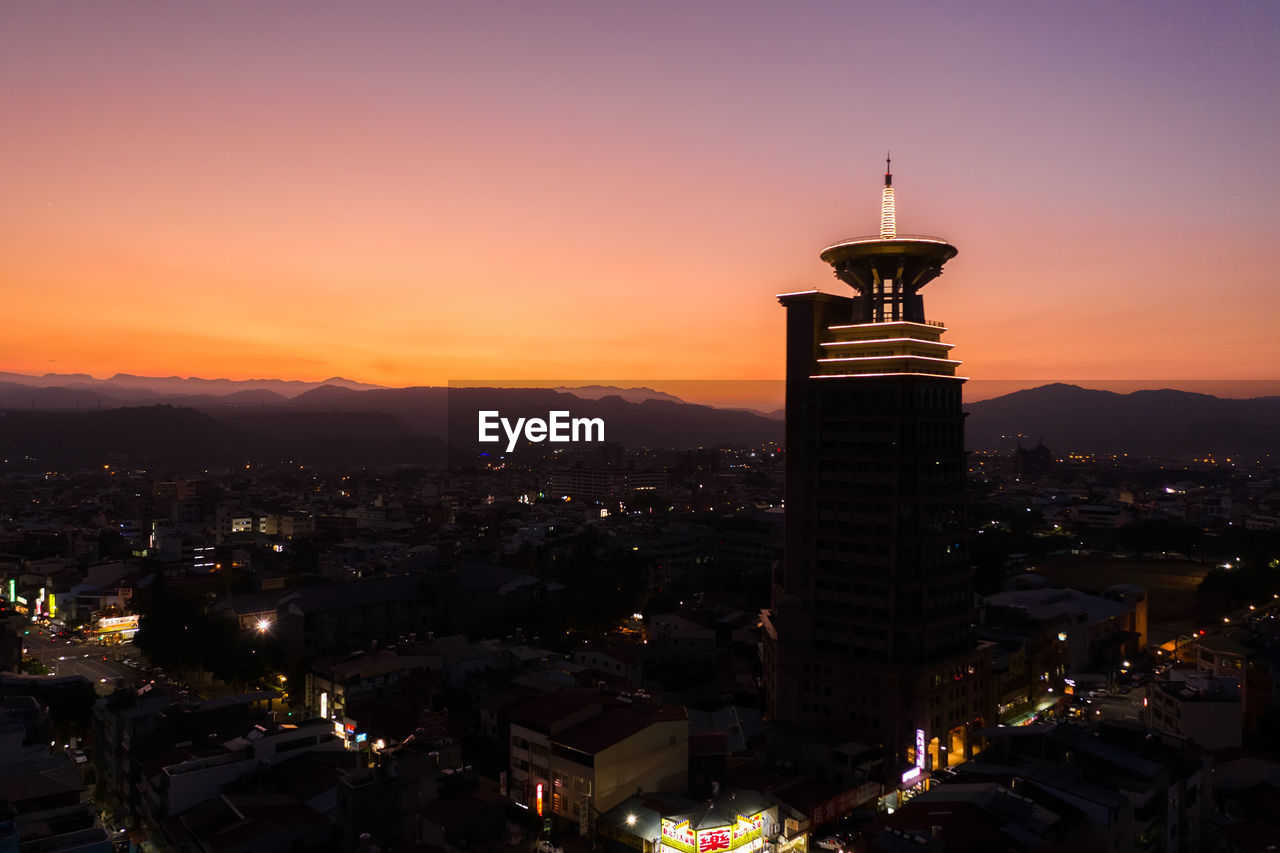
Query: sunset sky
point(406, 193)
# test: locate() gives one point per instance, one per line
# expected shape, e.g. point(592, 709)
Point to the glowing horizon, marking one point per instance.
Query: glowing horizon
point(404, 193)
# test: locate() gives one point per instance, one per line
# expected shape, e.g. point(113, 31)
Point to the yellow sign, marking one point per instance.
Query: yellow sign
point(113, 624)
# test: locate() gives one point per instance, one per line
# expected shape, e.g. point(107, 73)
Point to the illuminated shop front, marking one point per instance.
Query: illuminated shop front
point(914, 781)
point(117, 629)
point(740, 821)
point(710, 830)
point(948, 749)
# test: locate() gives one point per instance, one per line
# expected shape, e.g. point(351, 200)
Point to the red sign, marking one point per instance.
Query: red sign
point(539, 799)
point(714, 839)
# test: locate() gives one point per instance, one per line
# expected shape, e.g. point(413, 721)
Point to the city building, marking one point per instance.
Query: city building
point(132, 730)
point(42, 795)
point(1204, 709)
point(340, 618)
point(187, 777)
point(870, 633)
point(576, 754)
point(1248, 663)
point(598, 484)
point(333, 686)
point(1118, 787)
point(977, 816)
point(1076, 630)
point(662, 822)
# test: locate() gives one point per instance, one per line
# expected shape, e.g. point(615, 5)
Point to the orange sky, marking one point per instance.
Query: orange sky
point(408, 193)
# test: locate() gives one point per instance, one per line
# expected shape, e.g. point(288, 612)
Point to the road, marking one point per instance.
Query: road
point(75, 658)
point(1116, 707)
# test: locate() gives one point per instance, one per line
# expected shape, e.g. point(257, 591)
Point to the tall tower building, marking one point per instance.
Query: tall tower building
point(870, 634)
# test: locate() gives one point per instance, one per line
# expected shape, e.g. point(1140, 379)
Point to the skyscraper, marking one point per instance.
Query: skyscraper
point(870, 633)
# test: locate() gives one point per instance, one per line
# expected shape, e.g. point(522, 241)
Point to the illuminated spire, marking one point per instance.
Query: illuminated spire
point(888, 216)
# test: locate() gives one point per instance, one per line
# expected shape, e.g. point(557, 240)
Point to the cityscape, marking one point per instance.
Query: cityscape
point(822, 573)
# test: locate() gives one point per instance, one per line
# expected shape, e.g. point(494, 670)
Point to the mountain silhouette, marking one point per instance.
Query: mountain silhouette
point(1164, 422)
point(338, 424)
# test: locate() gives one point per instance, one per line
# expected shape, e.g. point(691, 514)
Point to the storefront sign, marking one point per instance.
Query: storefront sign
point(678, 835)
point(112, 624)
point(714, 839)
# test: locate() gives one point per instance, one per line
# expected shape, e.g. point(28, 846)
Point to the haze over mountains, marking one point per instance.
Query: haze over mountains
point(331, 424)
point(82, 388)
point(75, 419)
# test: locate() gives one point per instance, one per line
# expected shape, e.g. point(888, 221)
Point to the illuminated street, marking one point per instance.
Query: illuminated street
point(77, 658)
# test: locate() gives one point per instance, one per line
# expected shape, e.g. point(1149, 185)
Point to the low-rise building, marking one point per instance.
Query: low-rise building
point(1089, 631)
point(1202, 708)
point(576, 754)
point(201, 775)
point(333, 685)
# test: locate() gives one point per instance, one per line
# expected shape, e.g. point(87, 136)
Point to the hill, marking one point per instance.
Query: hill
point(1169, 423)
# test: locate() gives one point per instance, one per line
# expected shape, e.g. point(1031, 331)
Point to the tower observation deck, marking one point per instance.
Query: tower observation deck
point(888, 271)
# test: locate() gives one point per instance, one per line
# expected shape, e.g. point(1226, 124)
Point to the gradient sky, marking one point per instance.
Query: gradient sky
point(407, 193)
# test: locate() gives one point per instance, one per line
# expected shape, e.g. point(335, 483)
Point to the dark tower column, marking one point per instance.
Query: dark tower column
point(870, 633)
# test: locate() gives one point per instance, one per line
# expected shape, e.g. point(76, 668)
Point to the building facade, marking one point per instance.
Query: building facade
point(575, 755)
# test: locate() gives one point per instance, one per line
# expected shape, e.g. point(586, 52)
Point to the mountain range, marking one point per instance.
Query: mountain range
point(1175, 424)
point(83, 389)
point(71, 419)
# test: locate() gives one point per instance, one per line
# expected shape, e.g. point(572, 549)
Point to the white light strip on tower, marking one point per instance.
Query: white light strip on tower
point(914, 238)
point(894, 373)
point(924, 341)
point(931, 325)
point(888, 217)
point(889, 358)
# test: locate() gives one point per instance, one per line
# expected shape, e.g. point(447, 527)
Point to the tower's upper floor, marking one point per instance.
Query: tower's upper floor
point(881, 330)
point(888, 271)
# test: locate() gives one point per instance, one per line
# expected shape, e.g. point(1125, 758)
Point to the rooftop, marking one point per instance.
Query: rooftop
point(544, 712)
point(340, 596)
point(723, 810)
point(1199, 688)
point(1050, 602)
point(610, 727)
